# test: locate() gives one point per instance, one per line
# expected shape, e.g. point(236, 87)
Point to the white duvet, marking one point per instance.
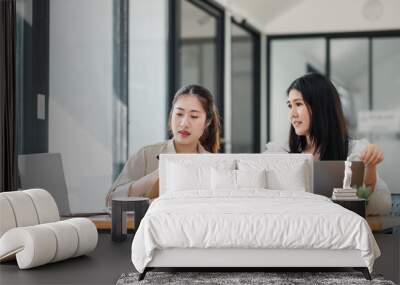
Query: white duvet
point(250, 219)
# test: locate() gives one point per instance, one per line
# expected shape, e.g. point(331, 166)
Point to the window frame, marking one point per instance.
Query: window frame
point(174, 73)
point(370, 35)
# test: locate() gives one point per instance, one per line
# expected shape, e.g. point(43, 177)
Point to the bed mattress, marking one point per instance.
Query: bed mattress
point(250, 219)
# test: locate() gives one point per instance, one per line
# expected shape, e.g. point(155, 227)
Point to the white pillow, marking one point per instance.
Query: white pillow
point(236, 179)
point(291, 179)
point(223, 179)
point(281, 173)
point(182, 177)
point(184, 172)
point(251, 178)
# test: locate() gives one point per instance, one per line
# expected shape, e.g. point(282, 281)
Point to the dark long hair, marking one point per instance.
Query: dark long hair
point(328, 129)
point(210, 139)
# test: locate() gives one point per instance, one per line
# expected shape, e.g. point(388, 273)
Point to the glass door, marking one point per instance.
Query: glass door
point(245, 72)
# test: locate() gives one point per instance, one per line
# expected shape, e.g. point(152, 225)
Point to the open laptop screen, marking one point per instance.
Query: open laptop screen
point(330, 174)
point(45, 170)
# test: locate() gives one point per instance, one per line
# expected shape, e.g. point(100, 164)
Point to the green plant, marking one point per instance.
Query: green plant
point(364, 192)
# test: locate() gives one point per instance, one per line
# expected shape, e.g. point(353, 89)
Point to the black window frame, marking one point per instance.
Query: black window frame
point(370, 35)
point(174, 73)
point(33, 134)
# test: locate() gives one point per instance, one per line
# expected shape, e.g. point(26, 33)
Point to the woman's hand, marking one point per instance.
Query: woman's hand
point(145, 185)
point(154, 191)
point(372, 155)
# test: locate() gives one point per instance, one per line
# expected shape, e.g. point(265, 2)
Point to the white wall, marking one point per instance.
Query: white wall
point(148, 50)
point(80, 99)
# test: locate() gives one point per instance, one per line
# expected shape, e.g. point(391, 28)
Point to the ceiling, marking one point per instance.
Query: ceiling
point(260, 12)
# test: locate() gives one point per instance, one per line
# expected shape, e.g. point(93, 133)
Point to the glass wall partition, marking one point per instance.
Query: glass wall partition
point(349, 67)
point(384, 123)
point(289, 59)
point(72, 92)
point(245, 78)
point(148, 68)
point(198, 47)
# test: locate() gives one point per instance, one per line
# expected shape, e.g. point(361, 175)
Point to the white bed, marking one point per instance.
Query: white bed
point(214, 211)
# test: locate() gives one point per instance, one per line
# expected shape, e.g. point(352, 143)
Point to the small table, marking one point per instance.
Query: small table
point(357, 205)
point(118, 214)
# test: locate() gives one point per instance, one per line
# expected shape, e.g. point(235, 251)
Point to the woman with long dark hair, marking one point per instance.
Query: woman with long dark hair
point(195, 127)
point(318, 127)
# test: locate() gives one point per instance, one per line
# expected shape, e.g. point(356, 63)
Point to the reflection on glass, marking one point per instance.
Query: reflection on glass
point(242, 90)
point(148, 53)
point(349, 73)
point(87, 108)
point(81, 98)
point(120, 86)
point(290, 59)
point(386, 101)
point(198, 47)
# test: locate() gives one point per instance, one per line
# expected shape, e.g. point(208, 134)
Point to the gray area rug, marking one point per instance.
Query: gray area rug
point(226, 278)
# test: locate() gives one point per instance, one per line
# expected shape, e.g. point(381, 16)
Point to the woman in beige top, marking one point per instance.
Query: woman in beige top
point(195, 126)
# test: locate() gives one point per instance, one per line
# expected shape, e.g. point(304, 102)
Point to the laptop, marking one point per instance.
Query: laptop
point(45, 170)
point(330, 174)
